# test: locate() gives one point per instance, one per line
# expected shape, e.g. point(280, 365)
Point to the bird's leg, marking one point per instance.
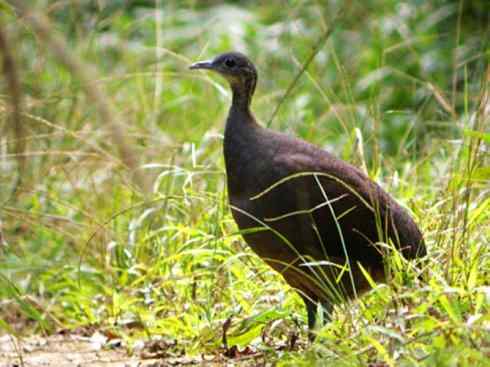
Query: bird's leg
point(313, 311)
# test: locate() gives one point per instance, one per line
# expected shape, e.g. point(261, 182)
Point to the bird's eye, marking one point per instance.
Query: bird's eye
point(230, 63)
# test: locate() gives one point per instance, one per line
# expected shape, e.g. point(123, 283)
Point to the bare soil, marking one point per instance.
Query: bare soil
point(77, 350)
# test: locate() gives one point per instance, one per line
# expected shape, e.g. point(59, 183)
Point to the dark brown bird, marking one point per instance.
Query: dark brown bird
point(309, 215)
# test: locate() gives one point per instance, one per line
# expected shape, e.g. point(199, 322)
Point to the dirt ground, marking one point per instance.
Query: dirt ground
point(82, 351)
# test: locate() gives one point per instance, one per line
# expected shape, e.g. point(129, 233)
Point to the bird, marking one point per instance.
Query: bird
point(317, 220)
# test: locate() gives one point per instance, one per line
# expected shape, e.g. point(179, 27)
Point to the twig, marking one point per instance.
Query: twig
point(319, 44)
point(13, 87)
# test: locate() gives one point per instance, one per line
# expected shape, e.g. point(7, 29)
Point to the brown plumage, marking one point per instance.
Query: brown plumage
point(301, 209)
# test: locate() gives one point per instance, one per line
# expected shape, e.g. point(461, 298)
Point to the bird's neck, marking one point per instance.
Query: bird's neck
point(240, 134)
point(239, 122)
point(240, 118)
point(241, 100)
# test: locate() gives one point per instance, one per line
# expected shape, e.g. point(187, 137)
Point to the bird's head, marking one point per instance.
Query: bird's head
point(234, 67)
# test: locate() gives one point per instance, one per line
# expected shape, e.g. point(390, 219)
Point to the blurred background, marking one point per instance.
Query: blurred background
point(396, 90)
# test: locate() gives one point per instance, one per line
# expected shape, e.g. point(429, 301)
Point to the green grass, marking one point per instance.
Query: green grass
point(401, 91)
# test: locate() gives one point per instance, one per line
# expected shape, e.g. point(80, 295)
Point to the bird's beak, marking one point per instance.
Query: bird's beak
point(208, 64)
